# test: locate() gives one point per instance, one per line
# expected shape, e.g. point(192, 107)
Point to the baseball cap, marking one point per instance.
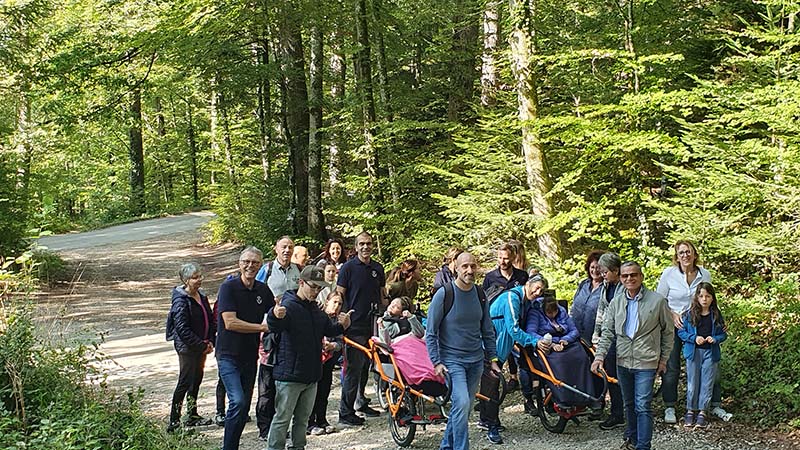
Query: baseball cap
point(314, 275)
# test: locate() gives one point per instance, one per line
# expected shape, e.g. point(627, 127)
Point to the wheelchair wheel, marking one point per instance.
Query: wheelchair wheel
point(380, 390)
point(545, 408)
point(400, 425)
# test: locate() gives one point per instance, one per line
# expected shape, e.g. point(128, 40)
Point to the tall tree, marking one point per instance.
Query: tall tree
point(290, 42)
point(463, 53)
point(136, 154)
point(523, 50)
point(366, 100)
point(316, 219)
point(491, 14)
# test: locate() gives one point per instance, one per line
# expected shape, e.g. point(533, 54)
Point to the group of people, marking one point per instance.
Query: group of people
point(281, 323)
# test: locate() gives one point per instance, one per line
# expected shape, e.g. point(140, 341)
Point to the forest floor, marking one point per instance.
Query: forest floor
point(122, 293)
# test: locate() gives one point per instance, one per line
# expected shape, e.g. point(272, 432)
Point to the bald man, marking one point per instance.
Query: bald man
point(459, 339)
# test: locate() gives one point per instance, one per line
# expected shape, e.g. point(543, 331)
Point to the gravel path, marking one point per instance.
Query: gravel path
point(123, 291)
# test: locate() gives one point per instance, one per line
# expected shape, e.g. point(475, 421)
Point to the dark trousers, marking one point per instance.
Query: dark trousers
point(610, 366)
point(512, 365)
point(355, 362)
point(265, 405)
point(220, 393)
point(190, 376)
point(317, 417)
point(489, 411)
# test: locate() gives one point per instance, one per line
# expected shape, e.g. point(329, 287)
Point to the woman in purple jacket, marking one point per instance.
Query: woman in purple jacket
point(566, 357)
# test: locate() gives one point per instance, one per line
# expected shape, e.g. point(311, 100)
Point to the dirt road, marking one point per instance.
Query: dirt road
point(123, 292)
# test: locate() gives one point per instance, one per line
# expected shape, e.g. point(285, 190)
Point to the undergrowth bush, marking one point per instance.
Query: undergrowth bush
point(48, 401)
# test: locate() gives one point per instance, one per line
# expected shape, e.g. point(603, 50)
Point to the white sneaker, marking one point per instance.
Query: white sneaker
point(722, 414)
point(669, 416)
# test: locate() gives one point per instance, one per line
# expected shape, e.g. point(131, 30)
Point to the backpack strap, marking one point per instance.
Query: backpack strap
point(449, 297)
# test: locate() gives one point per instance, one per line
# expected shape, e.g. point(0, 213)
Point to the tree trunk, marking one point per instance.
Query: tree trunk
point(165, 165)
point(136, 151)
point(626, 9)
point(264, 111)
point(190, 137)
point(297, 117)
point(465, 36)
point(523, 49)
point(233, 178)
point(364, 87)
point(383, 89)
point(383, 78)
point(316, 219)
point(335, 142)
point(488, 66)
point(214, 130)
point(24, 145)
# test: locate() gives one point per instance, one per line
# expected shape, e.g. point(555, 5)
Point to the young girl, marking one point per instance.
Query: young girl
point(330, 277)
point(703, 330)
point(399, 320)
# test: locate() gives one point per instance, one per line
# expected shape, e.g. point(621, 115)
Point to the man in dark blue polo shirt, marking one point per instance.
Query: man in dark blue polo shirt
point(505, 275)
point(243, 301)
point(361, 283)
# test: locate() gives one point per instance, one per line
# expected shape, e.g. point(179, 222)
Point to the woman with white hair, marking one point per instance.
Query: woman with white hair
point(192, 327)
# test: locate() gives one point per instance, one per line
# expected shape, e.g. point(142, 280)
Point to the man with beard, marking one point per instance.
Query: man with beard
point(243, 301)
point(505, 275)
point(361, 283)
point(460, 336)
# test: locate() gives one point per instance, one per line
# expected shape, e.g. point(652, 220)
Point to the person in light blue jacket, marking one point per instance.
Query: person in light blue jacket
point(507, 313)
point(703, 330)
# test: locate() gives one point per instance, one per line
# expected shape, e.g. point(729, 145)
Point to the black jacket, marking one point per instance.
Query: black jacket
point(186, 323)
point(299, 352)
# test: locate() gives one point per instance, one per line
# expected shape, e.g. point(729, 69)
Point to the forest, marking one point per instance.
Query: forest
point(569, 125)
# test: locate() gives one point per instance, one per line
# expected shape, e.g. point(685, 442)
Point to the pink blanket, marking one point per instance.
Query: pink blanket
point(412, 359)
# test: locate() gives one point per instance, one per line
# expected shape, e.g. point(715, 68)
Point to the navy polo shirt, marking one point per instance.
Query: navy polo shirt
point(363, 283)
point(249, 305)
point(518, 278)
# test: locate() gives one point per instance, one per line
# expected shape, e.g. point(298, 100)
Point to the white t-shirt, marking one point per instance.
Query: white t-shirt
point(673, 286)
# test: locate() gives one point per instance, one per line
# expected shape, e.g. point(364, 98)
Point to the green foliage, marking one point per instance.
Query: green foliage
point(46, 402)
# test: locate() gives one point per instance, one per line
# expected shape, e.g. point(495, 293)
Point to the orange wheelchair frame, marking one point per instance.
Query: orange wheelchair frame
point(554, 417)
point(405, 404)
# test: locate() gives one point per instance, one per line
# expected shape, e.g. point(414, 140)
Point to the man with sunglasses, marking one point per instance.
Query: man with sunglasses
point(242, 301)
point(641, 322)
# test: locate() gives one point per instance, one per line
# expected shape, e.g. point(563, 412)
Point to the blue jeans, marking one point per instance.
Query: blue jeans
point(669, 382)
point(701, 373)
point(239, 377)
point(465, 377)
point(293, 402)
point(637, 394)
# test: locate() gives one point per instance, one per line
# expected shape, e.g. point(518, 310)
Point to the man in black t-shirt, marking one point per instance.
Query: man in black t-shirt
point(243, 302)
point(361, 283)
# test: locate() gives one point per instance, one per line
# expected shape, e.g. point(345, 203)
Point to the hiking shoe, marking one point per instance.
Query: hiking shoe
point(627, 444)
point(512, 385)
point(351, 420)
point(493, 435)
point(701, 422)
point(198, 421)
point(611, 423)
point(317, 431)
point(219, 419)
point(530, 408)
point(721, 413)
point(263, 437)
point(369, 412)
point(330, 429)
point(173, 426)
point(688, 419)
point(669, 415)
point(486, 427)
point(595, 414)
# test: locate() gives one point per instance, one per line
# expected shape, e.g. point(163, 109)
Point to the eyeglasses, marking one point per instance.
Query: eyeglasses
point(629, 275)
point(684, 253)
point(249, 262)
